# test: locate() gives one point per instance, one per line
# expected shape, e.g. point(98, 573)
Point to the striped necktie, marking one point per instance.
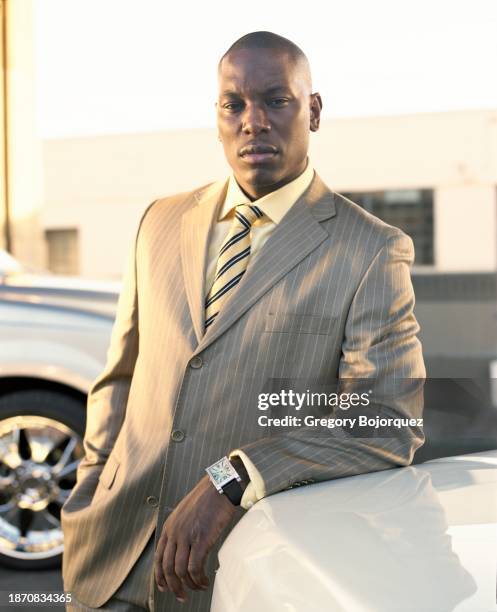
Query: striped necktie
point(232, 260)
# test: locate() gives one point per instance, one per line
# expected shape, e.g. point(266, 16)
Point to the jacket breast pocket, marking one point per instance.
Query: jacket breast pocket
point(284, 322)
point(299, 346)
point(108, 474)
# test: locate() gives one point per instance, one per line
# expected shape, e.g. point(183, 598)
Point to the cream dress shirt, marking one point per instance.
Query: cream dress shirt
point(274, 205)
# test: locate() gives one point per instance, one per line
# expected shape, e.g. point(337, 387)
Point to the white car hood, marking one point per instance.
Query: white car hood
point(419, 538)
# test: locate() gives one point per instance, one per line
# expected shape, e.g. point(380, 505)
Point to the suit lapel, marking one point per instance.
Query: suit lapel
point(196, 226)
point(297, 235)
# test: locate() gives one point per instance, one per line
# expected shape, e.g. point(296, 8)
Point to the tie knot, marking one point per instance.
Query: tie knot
point(247, 214)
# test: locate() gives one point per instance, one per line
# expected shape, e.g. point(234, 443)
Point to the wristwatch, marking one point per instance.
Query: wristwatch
point(226, 480)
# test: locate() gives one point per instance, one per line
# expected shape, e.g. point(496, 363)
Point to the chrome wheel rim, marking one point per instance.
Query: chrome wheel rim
point(38, 462)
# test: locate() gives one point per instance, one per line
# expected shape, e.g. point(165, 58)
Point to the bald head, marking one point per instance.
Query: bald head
point(277, 44)
point(265, 111)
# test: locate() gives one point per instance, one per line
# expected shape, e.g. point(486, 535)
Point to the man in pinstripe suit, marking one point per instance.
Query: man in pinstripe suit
point(266, 276)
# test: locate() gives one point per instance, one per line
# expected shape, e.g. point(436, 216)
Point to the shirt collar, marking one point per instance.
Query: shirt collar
point(275, 204)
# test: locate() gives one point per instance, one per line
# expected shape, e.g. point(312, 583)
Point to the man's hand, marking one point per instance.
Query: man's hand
point(188, 534)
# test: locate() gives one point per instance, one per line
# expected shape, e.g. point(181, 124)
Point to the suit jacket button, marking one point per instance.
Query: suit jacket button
point(177, 435)
point(196, 362)
point(152, 501)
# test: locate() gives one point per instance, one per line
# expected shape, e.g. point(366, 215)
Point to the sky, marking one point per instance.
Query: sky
point(119, 66)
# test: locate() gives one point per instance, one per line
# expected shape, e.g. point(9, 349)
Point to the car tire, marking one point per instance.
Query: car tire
point(31, 422)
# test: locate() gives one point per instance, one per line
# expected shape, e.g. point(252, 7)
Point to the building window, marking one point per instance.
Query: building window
point(409, 209)
point(62, 248)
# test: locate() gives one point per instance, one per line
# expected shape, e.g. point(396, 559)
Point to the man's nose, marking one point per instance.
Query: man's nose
point(255, 120)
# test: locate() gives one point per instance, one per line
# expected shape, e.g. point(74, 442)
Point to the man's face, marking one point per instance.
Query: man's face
point(265, 111)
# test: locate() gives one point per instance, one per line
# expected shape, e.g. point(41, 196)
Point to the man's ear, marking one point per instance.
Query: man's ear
point(218, 135)
point(316, 106)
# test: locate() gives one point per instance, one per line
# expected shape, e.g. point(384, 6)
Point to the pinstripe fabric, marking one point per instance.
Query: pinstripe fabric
point(331, 296)
point(136, 592)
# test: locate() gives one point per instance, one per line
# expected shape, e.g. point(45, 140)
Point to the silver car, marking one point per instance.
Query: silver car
point(54, 334)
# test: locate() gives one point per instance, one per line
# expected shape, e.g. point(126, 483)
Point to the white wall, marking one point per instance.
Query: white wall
point(465, 228)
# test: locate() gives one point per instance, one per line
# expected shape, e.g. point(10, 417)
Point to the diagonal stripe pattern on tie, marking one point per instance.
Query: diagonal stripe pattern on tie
point(232, 261)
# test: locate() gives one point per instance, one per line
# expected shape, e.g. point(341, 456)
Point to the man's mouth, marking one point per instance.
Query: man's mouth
point(258, 153)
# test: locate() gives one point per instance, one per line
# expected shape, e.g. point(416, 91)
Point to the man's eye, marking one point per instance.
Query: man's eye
point(231, 106)
point(276, 102)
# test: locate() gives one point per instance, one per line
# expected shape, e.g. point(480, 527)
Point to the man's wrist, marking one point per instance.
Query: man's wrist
point(239, 466)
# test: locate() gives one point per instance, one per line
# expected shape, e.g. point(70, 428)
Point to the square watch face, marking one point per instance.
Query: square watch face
point(222, 471)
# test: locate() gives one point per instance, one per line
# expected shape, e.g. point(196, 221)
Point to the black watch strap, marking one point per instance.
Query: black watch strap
point(233, 492)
